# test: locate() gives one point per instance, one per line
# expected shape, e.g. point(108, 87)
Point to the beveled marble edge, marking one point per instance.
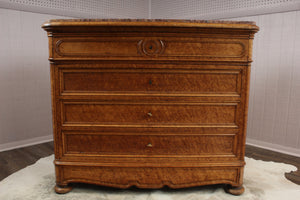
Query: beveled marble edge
point(151, 22)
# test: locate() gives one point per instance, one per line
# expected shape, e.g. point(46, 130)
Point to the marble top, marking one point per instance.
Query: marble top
point(150, 22)
point(154, 20)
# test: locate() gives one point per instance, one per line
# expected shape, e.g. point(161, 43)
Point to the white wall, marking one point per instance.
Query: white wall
point(274, 110)
point(217, 9)
point(83, 8)
point(25, 108)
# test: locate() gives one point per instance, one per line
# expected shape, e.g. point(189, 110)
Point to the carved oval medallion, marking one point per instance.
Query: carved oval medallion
point(151, 47)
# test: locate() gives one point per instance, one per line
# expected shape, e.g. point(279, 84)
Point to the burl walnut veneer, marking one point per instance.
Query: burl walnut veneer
point(150, 103)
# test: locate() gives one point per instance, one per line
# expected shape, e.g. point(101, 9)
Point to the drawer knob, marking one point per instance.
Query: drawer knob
point(149, 145)
point(150, 82)
point(149, 114)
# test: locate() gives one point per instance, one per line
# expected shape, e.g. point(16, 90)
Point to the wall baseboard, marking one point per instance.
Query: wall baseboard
point(274, 147)
point(25, 143)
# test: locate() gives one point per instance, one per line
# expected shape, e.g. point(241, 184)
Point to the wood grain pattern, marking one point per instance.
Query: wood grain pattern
point(151, 81)
point(149, 103)
point(149, 113)
point(148, 145)
point(140, 48)
point(148, 177)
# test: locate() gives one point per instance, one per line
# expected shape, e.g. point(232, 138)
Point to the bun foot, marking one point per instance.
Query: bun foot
point(234, 190)
point(62, 189)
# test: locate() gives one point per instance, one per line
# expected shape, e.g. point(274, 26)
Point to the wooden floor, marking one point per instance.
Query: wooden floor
point(14, 160)
point(266, 155)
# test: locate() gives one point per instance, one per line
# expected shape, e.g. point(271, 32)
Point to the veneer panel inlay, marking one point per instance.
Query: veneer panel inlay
point(145, 80)
point(149, 145)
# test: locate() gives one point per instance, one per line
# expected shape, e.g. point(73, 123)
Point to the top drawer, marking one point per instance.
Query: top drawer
point(149, 48)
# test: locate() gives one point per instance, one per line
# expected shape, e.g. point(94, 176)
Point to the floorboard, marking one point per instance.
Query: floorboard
point(14, 160)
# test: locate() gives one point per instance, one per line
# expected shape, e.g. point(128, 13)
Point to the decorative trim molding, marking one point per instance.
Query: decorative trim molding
point(25, 143)
point(91, 52)
point(274, 147)
point(102, 48)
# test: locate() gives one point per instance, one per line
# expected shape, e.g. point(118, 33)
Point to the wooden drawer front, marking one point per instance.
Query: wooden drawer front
point(131, 145)
point(149, 113)
point(154, 48)
point(151, 81)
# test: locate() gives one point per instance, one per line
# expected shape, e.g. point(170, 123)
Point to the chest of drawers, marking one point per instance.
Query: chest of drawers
point(149, 103)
